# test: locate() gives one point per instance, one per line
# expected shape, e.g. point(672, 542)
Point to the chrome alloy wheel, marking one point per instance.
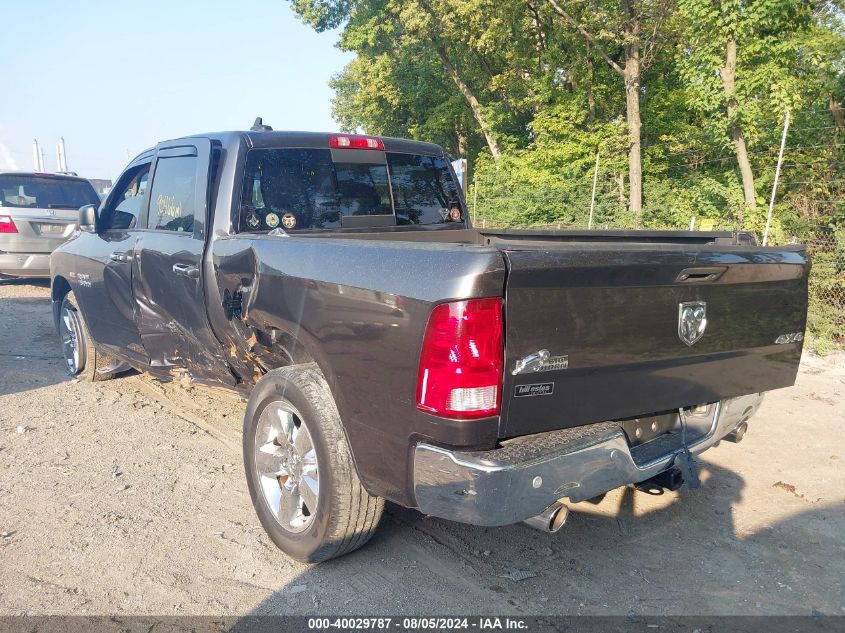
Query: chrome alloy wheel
point(286, 465)
point(71, 340)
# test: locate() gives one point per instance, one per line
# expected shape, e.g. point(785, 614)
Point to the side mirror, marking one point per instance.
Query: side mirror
point(88, 218)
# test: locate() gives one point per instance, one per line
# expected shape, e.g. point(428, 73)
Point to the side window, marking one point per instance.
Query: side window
point(423, 189)
point(127, 201)
point(172, 194)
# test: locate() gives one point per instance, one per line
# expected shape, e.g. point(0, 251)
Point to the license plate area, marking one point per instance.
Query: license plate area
point(50, 228)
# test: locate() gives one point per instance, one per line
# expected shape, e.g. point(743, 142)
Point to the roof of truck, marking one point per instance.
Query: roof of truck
point(312, 140)
point(320, 140)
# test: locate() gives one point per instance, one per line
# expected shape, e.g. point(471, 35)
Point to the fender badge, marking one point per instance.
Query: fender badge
point(537, 389)
point(540, 361)
point(271, 220)
point(288, 220)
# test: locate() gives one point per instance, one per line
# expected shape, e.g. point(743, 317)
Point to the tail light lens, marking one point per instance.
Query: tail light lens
point(460, 372)
point(7, 224)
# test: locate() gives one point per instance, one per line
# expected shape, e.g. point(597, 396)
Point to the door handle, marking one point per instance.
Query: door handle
point(191, 272)
point(121, 257)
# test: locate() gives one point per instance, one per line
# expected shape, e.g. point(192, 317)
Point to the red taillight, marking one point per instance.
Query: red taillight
point(7, 224)
point(461, 360)
point(354, 141)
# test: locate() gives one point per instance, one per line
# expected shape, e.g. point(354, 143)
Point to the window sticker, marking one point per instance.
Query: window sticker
point(288, 220)
point(271, 220)
point(169, 206)
point(253, 221)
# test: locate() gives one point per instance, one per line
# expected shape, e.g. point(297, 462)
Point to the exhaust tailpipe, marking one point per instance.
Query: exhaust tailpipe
point(551, 519)
point(738, 433)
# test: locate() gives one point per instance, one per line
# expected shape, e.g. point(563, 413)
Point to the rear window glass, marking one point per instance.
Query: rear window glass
point(305, 189)
point(45, 192)
point(423, 188)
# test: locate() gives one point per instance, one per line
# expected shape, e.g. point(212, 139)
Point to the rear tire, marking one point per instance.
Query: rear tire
point(82, 360)
point(299, 468)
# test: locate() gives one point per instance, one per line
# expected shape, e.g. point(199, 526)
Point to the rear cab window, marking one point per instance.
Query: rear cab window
point(34, 191)
point(313, 189)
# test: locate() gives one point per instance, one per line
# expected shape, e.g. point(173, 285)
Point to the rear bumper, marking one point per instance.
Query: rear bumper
point(520, 480)
point(25, 264)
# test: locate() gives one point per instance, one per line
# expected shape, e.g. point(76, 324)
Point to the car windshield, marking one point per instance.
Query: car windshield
point(45, 192)
point(305, 189)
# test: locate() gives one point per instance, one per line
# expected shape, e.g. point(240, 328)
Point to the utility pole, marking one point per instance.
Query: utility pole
point(37, 156)
point(777, 177)
point(474, 198)
point(61, 158)
point(593, 198)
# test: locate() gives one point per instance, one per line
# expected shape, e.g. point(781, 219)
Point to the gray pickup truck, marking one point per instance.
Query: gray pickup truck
point(389, 350)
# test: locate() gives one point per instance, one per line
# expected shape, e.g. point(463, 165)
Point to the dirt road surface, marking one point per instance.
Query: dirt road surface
point(128, 497)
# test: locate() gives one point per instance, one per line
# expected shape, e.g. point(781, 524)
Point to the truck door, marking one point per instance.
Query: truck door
point(103, 279)
point(169, 280)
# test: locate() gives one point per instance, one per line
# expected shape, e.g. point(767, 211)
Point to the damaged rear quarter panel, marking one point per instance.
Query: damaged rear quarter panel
point(357, 308)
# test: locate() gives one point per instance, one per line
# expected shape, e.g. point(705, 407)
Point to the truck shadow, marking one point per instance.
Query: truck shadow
point(631, 554)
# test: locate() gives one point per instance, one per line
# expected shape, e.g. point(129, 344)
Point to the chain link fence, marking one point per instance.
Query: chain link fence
point(826, 315)
point(825, 246)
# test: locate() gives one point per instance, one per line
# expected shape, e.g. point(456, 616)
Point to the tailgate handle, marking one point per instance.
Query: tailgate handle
point(710, 273)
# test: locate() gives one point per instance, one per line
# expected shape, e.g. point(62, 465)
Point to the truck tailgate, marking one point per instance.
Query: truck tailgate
point(613, 317)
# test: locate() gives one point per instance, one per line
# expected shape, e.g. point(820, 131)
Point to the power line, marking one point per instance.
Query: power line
point(733, 158)
point(793, 132)
point(814, 182)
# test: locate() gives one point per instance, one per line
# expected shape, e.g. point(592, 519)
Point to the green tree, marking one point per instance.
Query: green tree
point(635, 27)
point(399, 43)
point(738, 64)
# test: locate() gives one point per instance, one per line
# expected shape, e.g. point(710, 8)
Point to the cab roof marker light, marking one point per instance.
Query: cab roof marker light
point(355, 141)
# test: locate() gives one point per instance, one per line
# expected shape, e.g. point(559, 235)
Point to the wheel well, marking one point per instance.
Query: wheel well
point(293, 349)
point(60, 288)
point(273, 349)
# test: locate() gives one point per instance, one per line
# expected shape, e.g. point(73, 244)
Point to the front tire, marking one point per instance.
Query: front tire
point(82, 360)
point(299, 468)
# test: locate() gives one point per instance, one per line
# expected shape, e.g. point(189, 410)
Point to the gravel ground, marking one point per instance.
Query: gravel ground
point(128, 497)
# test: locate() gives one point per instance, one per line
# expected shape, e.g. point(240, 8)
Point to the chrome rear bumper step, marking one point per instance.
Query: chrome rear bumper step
point(524, 478)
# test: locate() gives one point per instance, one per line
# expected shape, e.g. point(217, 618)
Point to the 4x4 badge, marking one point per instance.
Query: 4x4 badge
point(692, 321)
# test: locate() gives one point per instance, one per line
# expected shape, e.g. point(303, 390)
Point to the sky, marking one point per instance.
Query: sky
point(114, 78)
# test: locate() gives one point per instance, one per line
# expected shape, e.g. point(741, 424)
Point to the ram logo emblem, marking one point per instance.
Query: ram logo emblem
point(692, 321)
